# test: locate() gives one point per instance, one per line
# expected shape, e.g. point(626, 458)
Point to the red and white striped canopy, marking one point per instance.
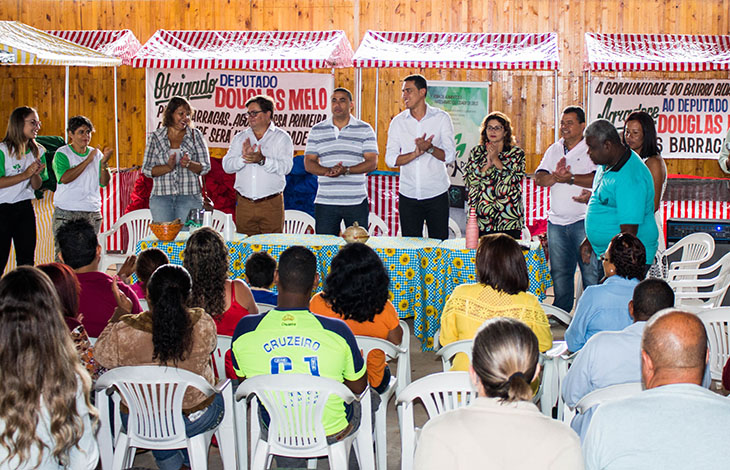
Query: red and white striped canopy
point(116, 43)
point(249, 50)
point(662, 52)
point(458, 50)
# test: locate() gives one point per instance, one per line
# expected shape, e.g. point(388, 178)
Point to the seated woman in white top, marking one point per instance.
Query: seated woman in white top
point(502, 428)
point(46, 420)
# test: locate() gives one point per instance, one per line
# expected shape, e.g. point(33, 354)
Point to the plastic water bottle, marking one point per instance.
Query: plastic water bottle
point(472, 230)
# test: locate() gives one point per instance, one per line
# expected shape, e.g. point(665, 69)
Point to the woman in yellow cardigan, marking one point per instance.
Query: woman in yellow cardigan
point(501, 292)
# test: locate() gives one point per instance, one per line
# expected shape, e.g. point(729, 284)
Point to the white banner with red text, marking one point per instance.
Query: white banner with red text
point(218, 98)
point(691, 116)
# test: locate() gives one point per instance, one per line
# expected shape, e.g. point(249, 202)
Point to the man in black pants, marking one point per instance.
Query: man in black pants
point(421, 143)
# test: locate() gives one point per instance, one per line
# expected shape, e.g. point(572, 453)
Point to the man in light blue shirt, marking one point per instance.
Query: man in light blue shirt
point(674, 423)
point(613, 357)
point(623, 194)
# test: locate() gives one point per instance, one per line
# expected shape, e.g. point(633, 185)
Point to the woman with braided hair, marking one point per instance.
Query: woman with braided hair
point(502, 428)
point(605, 307)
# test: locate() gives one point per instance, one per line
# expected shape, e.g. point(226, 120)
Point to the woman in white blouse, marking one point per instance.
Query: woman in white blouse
point(502, 428)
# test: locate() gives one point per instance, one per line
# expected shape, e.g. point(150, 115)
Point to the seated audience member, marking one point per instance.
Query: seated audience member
point(67, 288)
point(605, 307)
point(502, 428)
point(501, 292)
point(169, 334)
point(356, 291)
point(81, 251)
point(675, 423)
point(143, 266)
point(227, 301)
point(337, 357)
point(260, 268)
point(46, 419)
point(613, 357)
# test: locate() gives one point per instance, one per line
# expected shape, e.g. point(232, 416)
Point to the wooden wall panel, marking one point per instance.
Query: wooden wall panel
point(526, 97)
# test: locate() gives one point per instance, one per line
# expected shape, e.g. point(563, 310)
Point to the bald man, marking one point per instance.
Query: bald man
point(675, 423)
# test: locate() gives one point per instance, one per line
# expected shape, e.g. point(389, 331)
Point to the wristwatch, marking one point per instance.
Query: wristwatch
point(430, 150)
point(572, 179)
point(262, 162)
point(347, 170)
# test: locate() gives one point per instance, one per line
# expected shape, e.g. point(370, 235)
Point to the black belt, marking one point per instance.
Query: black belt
point(265, 198)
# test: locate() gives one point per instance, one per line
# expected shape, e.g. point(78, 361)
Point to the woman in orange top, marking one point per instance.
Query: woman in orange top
point(356, 291)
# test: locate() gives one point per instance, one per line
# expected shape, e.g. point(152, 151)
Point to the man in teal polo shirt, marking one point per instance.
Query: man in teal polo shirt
point(291, 339)
point(623, 194)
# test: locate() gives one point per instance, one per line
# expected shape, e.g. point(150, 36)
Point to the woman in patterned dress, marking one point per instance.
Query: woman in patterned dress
point(493, 178)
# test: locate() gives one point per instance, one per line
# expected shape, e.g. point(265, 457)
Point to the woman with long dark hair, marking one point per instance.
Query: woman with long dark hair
point(175, 157)
point(46, 419)
point(22, 171)
point(170, 334)
point(640, 136)
point(493, 176)
point(502, 428)
point(500, 292)
point(356, 291)
point(605, 307)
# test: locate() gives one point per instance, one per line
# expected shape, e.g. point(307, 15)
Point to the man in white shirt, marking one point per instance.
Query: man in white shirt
point(674, 423)
point(421, 143)
point(261, 156)
point(341, 151)
point(567, 170)
point(614, 357)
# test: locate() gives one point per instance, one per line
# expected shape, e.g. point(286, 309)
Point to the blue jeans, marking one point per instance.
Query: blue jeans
point(169, 208)
point(173, 459)
point(564, 247)
point(328, 217)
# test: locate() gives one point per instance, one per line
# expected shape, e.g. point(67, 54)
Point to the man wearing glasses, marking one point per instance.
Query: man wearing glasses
point(261, 156)
point(421, 143)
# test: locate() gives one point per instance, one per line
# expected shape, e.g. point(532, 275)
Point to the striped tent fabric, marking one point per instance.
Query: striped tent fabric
point(517, 51)
point(659, 52)
point(116, 43)
point(44, 249)
point(112, 208)
point(31, 46)
point(383, 196)
point(248, 50)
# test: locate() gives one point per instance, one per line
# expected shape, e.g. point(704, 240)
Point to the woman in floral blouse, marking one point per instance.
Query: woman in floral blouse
point(494, 176)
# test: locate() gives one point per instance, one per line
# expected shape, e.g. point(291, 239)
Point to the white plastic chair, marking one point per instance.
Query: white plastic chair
point(526, 235)
point(561, 315)
point(551, 379)
point(218, 220)
point(697, 248)
point(396, 385)
point(454, 228)
point(717, 324)
point(439, 393)
point(691, 292)
point(219, 356)
point(607, 394)
point(298, 222)
point(263, 308)
point(144, 305)
point(152, 426)
point(448, 352)
point(137, 224)
point(376, 224)
point(295, 403)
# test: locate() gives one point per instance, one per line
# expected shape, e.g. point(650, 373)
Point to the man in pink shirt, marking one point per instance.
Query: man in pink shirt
point(100, 294)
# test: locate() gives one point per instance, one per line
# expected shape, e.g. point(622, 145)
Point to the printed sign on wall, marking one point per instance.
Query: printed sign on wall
point(691, 116)
point(219, 100)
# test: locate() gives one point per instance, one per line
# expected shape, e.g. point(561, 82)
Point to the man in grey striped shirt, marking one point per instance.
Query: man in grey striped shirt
point(341, 151)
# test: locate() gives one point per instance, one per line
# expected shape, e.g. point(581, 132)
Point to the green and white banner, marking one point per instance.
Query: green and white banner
point(467, 103)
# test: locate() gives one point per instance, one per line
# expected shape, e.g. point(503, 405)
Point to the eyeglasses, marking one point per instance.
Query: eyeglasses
point(495, 128)
point(253, 113)
point(34, 123)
